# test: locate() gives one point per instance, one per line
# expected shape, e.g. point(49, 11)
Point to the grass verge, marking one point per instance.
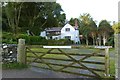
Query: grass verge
point(14, 66)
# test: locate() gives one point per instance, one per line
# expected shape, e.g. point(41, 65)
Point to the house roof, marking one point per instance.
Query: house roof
point(54, 29)
point(58, 28)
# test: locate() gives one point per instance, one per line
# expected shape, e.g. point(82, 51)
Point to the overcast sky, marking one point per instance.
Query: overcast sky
point(98, 9)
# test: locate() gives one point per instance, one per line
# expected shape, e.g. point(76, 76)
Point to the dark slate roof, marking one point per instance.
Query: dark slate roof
point(53, 29)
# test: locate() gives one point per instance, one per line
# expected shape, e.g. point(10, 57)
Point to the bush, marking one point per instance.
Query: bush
point(8, 38)
point(68, 42)
point(24, 36)
point(60, 42)
point(110, 42)
point(33, 40)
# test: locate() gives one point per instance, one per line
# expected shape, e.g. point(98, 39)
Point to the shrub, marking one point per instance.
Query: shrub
point(8, 38)
point(60, 42)
point(68, 42)
point(33, 40)
point(110, 42)
point(24, 36)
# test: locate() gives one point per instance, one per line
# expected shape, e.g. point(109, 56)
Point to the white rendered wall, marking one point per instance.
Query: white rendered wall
point(68, 33)
point(76, 37)
point(43, 34)
point(58, 37)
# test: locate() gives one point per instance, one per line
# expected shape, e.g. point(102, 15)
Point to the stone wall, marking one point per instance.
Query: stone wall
point(9, 53)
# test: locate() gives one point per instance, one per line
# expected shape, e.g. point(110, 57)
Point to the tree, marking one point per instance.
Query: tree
point(87, 27)
point(93, 31)
point(72, 21)
point(104, 30)
point(116, 28)
point(13, 12)
point(35, 16)
point(38, 16)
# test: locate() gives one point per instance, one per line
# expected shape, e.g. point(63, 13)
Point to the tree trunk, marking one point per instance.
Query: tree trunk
point(99, 40)
point(96, 41)
point(87, 41)
point(104, 40)
point(93, 40)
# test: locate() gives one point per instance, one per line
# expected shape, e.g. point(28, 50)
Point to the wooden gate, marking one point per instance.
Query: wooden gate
point(57, 59)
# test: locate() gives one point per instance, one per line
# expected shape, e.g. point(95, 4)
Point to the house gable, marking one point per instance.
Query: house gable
point(67, 32)
point(67, 28)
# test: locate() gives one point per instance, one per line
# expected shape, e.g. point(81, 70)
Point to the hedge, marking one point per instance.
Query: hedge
point(8, 38)
point(33, 40)
point(60, 42)
point(37, 40)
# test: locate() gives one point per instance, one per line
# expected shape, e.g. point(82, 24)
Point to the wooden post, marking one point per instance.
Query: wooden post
point(107, 62)
point(107, 58)
point(117, 56)
point(21, 56)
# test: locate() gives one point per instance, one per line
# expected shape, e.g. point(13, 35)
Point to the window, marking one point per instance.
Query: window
point(68, 37)
point(67, 29)
point(56, 38)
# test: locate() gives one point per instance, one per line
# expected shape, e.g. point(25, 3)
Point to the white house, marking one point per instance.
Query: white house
point(66, 32)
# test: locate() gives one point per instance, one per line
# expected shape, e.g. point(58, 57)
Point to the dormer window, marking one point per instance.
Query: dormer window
point(67, 29)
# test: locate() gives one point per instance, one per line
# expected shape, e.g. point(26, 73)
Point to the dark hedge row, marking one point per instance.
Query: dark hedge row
point(37, 40)
point(33, 40)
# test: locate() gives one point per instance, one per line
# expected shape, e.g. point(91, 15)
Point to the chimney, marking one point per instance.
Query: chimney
point(76, 24)
point(113, 22)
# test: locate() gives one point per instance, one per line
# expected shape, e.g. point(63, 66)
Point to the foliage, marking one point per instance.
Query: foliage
point(104, 26)
point(116, 28)
point(72, 21)
point(87, 27)
point(8, 38)
point(104, 30)
point(12, 12)
point(37, 40)
point(33, 40)
point(110, 41)
point(60, 42)
point(14, 66)
point(35, 16)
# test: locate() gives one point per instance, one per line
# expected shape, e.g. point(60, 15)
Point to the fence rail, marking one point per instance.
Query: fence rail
point(69, 60)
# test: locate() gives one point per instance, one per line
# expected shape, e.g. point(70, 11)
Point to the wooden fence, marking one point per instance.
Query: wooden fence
point(70, 62)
